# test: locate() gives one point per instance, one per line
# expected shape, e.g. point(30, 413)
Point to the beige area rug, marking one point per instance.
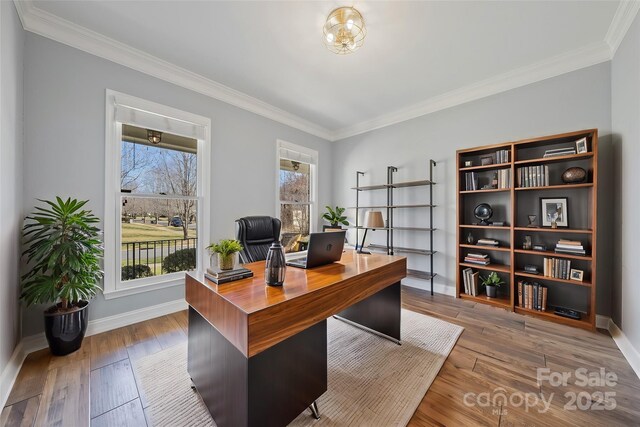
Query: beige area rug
point(372, 381)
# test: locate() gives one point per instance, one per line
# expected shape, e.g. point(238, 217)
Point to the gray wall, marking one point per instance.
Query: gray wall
point(11, 141)
point(625, 113)
point(64, 147)
point(578, 100)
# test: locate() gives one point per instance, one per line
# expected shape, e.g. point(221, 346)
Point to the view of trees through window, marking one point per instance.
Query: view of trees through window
point(295, 197)
point(158, 204)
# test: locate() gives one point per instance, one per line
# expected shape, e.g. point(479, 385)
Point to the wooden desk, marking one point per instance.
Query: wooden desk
point(258, 354)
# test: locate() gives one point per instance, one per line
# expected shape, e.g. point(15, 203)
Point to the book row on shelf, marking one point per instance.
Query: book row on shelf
point(470, 279)
point(532, 296)
point(501, 180)
point(533, 176)
point(557, 268)
point(502, 156)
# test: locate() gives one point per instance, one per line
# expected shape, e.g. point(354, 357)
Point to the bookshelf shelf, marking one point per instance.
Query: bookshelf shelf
point(552, 279)
point(550, 315)
point(486, 167)
point(556, 187)
point(485, 248)
point(553, 254)
point(488, 227)
point(491, 267)
point(513, 204)
point(501, 302)
point(555, 159)
point(391, 207)
point(490, 190)
point(554, 230)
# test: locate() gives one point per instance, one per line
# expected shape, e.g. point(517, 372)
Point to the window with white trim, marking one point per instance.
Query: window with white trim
point(296, 188)
point(156, 195)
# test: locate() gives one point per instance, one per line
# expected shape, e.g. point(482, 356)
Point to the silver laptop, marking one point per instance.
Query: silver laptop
point(324, 248)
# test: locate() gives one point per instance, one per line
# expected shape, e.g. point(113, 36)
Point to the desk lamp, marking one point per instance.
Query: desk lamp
point(372, 220)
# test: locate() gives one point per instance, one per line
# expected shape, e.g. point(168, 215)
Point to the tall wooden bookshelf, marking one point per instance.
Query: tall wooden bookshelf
point(512, 206)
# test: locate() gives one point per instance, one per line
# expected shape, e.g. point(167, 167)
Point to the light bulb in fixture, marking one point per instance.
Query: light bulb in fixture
point(330, 38)
point(349, 24)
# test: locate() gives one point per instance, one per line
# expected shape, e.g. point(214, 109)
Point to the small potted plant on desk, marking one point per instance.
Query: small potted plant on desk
point(226, 250)
point(491, 283)
point(335, 218)
point(63, 249)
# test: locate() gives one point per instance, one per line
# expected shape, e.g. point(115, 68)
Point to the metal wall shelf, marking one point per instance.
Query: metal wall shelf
point(390, 228)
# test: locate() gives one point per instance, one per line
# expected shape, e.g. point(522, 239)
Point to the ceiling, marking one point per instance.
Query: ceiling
point(414, 52)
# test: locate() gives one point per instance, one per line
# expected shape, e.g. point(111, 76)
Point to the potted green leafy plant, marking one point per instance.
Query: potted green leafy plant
point(335, 217)
point(226, 250)
point(63, 250)
point(491, 283)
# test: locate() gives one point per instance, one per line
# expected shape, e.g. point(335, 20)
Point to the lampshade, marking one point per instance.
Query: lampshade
point(373, 219)
point(344, 30)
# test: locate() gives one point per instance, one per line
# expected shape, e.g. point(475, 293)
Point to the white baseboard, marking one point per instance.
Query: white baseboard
point(438, 288)
point(10, 373)
point(38, 341)
point(602, 322)
point(628, 350)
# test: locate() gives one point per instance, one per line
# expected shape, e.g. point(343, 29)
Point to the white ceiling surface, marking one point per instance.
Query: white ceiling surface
point(413, 51)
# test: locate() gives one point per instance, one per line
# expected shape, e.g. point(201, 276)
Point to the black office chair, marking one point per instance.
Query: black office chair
point(256, 234)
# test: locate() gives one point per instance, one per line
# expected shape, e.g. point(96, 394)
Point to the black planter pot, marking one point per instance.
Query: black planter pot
point(492, 291)
point(331, 227)
point(65, 331)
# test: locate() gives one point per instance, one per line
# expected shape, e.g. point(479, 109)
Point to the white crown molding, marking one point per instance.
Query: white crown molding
point(622, 20)
point(564, 63)
point(53, 27)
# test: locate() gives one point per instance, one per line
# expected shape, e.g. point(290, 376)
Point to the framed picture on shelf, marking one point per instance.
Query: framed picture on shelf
point(486, 160)
point(577, 275)
point(581, 145)
point(554, 212)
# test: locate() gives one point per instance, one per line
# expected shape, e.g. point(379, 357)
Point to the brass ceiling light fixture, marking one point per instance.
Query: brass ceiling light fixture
point(344, 30)
point(154, 136)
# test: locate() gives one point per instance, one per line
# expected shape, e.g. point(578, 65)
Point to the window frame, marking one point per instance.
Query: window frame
point(313, 191)
point(113, 286)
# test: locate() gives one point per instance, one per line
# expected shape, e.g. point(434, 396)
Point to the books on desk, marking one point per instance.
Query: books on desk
point(218, 276)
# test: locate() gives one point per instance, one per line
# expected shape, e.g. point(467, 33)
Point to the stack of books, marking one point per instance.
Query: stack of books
point(557, 268)
point(560, 152)
point(470, 282)
point(573, 247)
point(218, 276)
point(502, 156)
point(532, 296)
point(480, 259)
point(488, 242)
point(533, 176)
point(471, 181)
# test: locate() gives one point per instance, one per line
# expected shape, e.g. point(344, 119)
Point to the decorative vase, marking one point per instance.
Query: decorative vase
point(275, 265)
point(492, 291)
point(65, 331)
point(574, 175)
point(226, 262)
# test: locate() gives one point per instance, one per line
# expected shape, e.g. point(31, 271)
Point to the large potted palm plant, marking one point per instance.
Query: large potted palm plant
point(63, 250)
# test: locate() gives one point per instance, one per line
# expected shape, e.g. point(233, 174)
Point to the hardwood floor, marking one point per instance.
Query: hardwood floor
point(499, 353)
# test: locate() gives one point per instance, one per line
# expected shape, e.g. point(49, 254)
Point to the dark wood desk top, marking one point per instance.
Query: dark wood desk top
point(254, 316)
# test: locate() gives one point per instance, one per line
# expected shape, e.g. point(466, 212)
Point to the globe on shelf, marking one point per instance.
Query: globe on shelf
point(483, 212)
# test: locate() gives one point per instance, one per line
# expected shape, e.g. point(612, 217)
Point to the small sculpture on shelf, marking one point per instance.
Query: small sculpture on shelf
point(532, 221)
point(470, 239)
point(483, 212)
point(527, 243)
point(574, 175)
